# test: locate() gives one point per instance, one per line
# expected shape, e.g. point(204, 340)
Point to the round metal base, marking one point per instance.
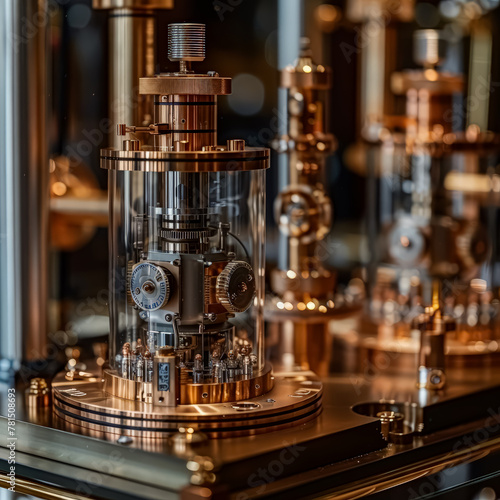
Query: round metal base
point(295, 399)
point(191, 393)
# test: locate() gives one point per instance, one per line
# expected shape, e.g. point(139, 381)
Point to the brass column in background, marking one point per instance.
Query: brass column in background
point(132, 44)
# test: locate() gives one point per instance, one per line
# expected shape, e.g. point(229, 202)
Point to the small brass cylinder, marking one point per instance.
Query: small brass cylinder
point(38, 393)
point(192, 120)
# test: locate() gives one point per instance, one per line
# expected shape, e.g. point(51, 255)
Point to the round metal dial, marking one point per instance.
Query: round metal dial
point(236, 286)
point(406, 243)
point(149, 286)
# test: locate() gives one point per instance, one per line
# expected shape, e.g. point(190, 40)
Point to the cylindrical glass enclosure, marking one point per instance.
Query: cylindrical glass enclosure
point(187, 263)
point(187, 229)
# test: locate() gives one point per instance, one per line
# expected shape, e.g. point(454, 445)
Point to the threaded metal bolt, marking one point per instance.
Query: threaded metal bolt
point(186, 42)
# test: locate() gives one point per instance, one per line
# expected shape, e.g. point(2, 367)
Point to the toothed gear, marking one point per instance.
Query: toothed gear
point(187, 234)
point(236, 286)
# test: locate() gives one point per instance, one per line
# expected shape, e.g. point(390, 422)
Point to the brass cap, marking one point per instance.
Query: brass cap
point(306, 74)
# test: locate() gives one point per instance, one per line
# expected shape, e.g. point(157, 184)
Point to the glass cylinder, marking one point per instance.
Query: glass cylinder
point(187, 229)
point(187, 268)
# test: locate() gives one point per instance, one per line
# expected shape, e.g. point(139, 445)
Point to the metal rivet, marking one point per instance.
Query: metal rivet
point(124, 440)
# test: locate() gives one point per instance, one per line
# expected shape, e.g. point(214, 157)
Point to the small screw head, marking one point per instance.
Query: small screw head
point(168, 318)
point(124, 440)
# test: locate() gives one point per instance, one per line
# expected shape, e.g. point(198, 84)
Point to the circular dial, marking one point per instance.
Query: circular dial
point(406, 244)
point(149, 286)
point(236, 286)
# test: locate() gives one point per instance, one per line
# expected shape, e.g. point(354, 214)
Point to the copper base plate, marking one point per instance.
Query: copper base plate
point(294, 399)
point(202, 393)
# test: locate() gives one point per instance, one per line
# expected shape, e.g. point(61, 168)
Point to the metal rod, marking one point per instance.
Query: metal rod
point(25, 183)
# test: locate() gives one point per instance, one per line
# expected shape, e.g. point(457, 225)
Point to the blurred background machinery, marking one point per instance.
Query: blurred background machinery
point(429, 222)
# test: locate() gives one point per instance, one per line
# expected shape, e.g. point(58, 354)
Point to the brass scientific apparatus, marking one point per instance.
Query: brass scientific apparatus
point(187, 240)
point(187, 306)
point(432, 220)
point(302, 286)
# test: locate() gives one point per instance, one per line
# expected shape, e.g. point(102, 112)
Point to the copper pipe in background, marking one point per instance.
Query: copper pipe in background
point(24, 182)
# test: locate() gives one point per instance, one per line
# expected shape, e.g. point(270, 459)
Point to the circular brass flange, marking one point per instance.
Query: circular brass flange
point(429, 80)
point(318, 79)
point(84, 406)
point(185, 161)
point(184, 84)
point(193, 393)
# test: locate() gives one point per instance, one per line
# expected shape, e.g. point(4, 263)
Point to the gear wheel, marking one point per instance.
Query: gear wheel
point(235, 286)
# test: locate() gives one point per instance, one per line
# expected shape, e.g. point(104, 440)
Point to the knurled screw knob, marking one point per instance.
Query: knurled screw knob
point(235, 286)
point(186, 42)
